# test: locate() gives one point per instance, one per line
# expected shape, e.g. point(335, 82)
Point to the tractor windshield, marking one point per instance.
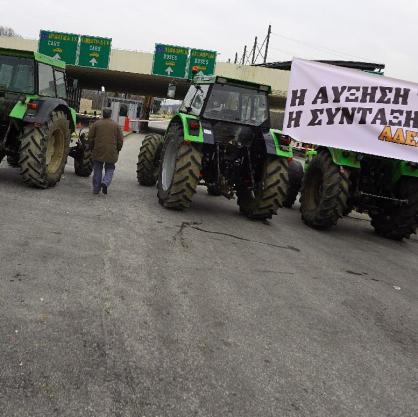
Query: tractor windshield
point(237, 104)
point(17, 74)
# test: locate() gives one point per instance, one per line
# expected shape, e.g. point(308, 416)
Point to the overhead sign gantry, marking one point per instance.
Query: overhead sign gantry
point(81, 50)
point(178, 61)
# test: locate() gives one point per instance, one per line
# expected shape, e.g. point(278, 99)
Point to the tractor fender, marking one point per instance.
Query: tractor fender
point(47, 106)
point(273, 145)
point(344, 158)
point(339, 157)
point(407, 169)
point(190, 135)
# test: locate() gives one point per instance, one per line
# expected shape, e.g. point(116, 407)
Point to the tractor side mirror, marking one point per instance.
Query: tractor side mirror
point(171, 91)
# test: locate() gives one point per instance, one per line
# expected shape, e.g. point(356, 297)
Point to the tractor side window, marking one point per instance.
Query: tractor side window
point(6, 73)
point(194, 100)
point(60, 84)
point(23, 80)
point(46, 80)
point(260, 109)
point(246, 108)
point(16, 74)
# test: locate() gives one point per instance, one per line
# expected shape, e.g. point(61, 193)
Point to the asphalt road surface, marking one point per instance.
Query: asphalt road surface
point(114, 306)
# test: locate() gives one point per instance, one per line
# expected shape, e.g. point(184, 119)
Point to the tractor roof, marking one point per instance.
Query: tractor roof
point(33, 55)
point(216, 79)
point(364, 66)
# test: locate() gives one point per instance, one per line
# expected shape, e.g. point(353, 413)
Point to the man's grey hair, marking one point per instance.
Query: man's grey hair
point(107, 113)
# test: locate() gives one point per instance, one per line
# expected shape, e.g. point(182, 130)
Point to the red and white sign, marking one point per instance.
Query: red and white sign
point(352, 110)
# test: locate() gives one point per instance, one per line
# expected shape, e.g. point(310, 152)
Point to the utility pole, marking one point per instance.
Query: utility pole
point(254, 48)
point(267, 44)
point(244, 55)
point(257, 51)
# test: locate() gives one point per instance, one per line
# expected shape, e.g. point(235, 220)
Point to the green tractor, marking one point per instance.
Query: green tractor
point(36, 121)
point(338, 181)
point(220, 138)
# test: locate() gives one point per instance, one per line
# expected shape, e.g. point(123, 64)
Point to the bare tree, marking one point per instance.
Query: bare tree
point(6, 31)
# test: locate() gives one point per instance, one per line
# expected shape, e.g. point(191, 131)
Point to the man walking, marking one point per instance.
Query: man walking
point(106, 141)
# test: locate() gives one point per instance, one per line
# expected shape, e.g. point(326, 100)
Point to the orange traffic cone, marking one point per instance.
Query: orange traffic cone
point(126, 126)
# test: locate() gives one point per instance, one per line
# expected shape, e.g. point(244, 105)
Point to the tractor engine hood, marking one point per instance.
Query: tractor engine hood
point(232, 133)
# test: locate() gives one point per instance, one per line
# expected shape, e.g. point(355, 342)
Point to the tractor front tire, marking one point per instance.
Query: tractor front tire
point(271, 191)
point(83, 163)
point(179, 170)
point(44, 151)
point(149, 159)
point(400, 222)
point(13, 161)
point(324, 193)
point(214, 190)
point(295, 182)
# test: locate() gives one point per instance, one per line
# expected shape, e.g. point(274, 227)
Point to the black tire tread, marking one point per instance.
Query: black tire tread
point(186, 178)
point(33, 148)
point(186, 175)
point(13, 161)
point(401, 222)
point(295, 183)
point(334, 198)
point(275, 184)
point(83, 166)
point(145, 168)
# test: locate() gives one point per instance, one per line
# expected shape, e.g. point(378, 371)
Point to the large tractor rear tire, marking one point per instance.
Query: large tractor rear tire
point(401, 222)
point(149, 159)
point(295, 182)
point(179, 170)
point(324, 193)
point(44, 151)
point(270, 192)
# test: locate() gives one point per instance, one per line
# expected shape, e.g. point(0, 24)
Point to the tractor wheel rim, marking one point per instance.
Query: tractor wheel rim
point(169, 165)
point(54, 150)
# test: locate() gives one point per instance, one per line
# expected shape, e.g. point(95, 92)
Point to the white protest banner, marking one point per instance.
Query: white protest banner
point(352, 110)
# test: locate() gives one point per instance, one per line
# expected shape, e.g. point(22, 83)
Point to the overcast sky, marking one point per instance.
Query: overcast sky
point(383, 31)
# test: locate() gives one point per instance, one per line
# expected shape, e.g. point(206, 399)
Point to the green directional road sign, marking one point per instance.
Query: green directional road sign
point(94, 52)
point(203, 60)
point(59, 45)
point(170, 60)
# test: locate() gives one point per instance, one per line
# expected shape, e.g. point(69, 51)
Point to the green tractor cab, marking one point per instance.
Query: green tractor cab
point(220, 138)
point(36, 120)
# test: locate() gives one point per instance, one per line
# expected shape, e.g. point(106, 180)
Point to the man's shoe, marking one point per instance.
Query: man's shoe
point(104, 188)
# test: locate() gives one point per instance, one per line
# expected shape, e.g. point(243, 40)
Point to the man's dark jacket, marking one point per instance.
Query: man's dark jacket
point(105, 140)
